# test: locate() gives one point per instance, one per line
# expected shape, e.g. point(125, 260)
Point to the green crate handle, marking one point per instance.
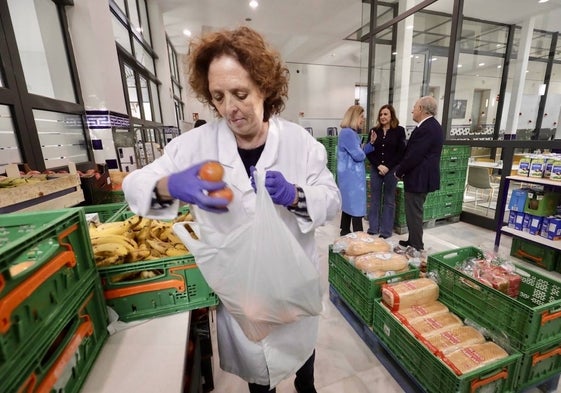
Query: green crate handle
point(13, 299)
point(477, 383)
point(537, 357)
point(177, 283)
point(86, 329)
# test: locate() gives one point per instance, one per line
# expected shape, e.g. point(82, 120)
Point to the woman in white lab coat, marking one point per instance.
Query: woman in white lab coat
point(238, 75)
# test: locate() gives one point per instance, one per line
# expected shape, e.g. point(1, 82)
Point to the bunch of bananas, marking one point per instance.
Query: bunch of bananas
point(136, 239)
point(11, 182)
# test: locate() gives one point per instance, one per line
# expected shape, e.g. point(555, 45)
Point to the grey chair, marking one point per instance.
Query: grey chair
point(479, 179)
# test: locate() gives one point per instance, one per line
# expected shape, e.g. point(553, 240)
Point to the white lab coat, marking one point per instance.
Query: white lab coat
point(302, 160)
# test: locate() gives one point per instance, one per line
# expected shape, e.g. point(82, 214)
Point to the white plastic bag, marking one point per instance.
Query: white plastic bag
point(260, 272)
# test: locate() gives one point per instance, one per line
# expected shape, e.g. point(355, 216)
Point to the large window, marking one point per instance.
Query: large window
point(175, 83)
point(140, 83)
point(41, 109)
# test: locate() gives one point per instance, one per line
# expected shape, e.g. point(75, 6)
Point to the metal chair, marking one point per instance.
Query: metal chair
point(331, 131)
point(478, 178)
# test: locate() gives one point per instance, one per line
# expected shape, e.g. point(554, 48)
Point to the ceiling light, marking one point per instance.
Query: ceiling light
point(543, 1)
point(434, 59)
point(394, 53)
point(187, 32)
point(499, 66)
point(460, 66)
point(481, 64)
point(253, 4)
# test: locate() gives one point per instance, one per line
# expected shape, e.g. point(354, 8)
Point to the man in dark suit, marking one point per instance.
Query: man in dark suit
point(420, 167)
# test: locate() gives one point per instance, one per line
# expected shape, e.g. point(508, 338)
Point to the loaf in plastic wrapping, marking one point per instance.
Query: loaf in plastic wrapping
point(412, 313)
point(378, 261)
point(358, 243)
point(455, 338)
point(430, 325)
point(474, 356)
point(409, 293)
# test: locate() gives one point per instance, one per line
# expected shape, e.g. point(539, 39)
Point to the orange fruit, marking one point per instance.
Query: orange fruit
point(211, 171)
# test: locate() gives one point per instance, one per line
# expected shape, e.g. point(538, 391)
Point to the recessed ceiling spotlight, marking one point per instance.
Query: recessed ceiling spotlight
point(187, 32)
point(481, 64)
point(254, 4)
point(543, 1)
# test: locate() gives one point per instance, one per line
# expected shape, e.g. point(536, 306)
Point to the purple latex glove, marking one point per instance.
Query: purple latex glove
point(281, 192)
point(188, 187)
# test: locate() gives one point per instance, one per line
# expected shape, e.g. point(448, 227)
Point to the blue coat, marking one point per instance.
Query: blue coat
point(420, 165)
point(351, 175)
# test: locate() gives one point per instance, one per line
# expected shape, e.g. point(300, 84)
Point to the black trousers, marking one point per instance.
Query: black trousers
point(414, 202)
point(304, 381)
point(346, 220)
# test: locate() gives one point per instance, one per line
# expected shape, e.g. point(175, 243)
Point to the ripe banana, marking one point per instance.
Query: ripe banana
point(158, 245)
point(110, 248)
point(109, 228)
point(130, 244)
point(175, 252)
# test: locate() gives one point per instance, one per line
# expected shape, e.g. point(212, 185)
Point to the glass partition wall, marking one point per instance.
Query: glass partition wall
point(496, 77)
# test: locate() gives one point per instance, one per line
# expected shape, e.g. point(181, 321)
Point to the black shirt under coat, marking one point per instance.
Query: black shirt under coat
point(389, 149)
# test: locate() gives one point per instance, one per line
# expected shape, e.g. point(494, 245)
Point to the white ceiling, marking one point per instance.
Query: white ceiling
point(314, 31)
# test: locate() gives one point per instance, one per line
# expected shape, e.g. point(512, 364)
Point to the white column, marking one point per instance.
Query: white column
point(519, 67)
point(403, 62)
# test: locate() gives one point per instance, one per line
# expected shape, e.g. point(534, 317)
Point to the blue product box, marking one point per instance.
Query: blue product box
point(545, 225)
point(554, 228)
point(519, 221)
point(512, 219)
point(518, 200)
point(535, 225)
point(526, 222)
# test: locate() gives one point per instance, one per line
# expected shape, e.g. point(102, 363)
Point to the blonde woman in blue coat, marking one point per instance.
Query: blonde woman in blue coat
point(351, 175)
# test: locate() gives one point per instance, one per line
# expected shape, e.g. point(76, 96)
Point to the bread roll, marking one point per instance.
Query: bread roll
point(358, 243)
point(455, 338)
point(409, 293)
point(412, 313)
point(474, 356)
point(431, 325)
point(372, 262)
point(381, 273)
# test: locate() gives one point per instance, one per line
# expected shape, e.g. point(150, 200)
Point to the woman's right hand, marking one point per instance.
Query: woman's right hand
point(373, 136)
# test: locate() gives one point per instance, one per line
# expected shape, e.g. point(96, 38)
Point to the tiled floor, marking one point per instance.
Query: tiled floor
point(344, 363)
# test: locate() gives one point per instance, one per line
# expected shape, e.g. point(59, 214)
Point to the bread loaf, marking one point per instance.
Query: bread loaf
point(473, 356)
point(372, 262)
point(409, 293)
point(381, 273)
point(431, 325)
point(358, 243)
point(455, 338)
point(412, 313)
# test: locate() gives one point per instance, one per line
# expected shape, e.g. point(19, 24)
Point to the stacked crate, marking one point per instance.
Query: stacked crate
point(176, 285)
point(529, 323)
point(448, 200)
point(53, 320)
point(330, 144)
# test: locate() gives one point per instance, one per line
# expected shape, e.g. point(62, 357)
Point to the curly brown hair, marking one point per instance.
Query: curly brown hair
point(262, 62)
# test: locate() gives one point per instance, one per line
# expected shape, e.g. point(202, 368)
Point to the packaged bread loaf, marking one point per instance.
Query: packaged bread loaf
point(412, 313)
point(450, 340)
point(474, 356)
point(409, 293)
point(378, 261)
point(430, 325)
point(358, 243)
point(381, 273)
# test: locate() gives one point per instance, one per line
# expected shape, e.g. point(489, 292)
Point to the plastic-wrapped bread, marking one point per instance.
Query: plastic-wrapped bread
point(377, 261)
point(455, 338)
point(409, 293)
point(430, 325)
point(381, 273)
point(358, 243)
point(472, 357)
point(412, 313)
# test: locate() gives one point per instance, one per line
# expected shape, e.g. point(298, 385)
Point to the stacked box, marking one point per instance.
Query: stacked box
point(176, 285)
point(46, 261)
point(531, 322)
point(330, 144)
point(357, 289)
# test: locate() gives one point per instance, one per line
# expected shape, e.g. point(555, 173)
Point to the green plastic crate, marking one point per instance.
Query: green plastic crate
point(534, 253)
point(61, 361)
point(431, 372)
point(106, 211)
point(539, 364)
point(456, 151)
point(531, 319)
point(354, 299)
point(178, 286)
point(366, 287)
point(55, 245)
